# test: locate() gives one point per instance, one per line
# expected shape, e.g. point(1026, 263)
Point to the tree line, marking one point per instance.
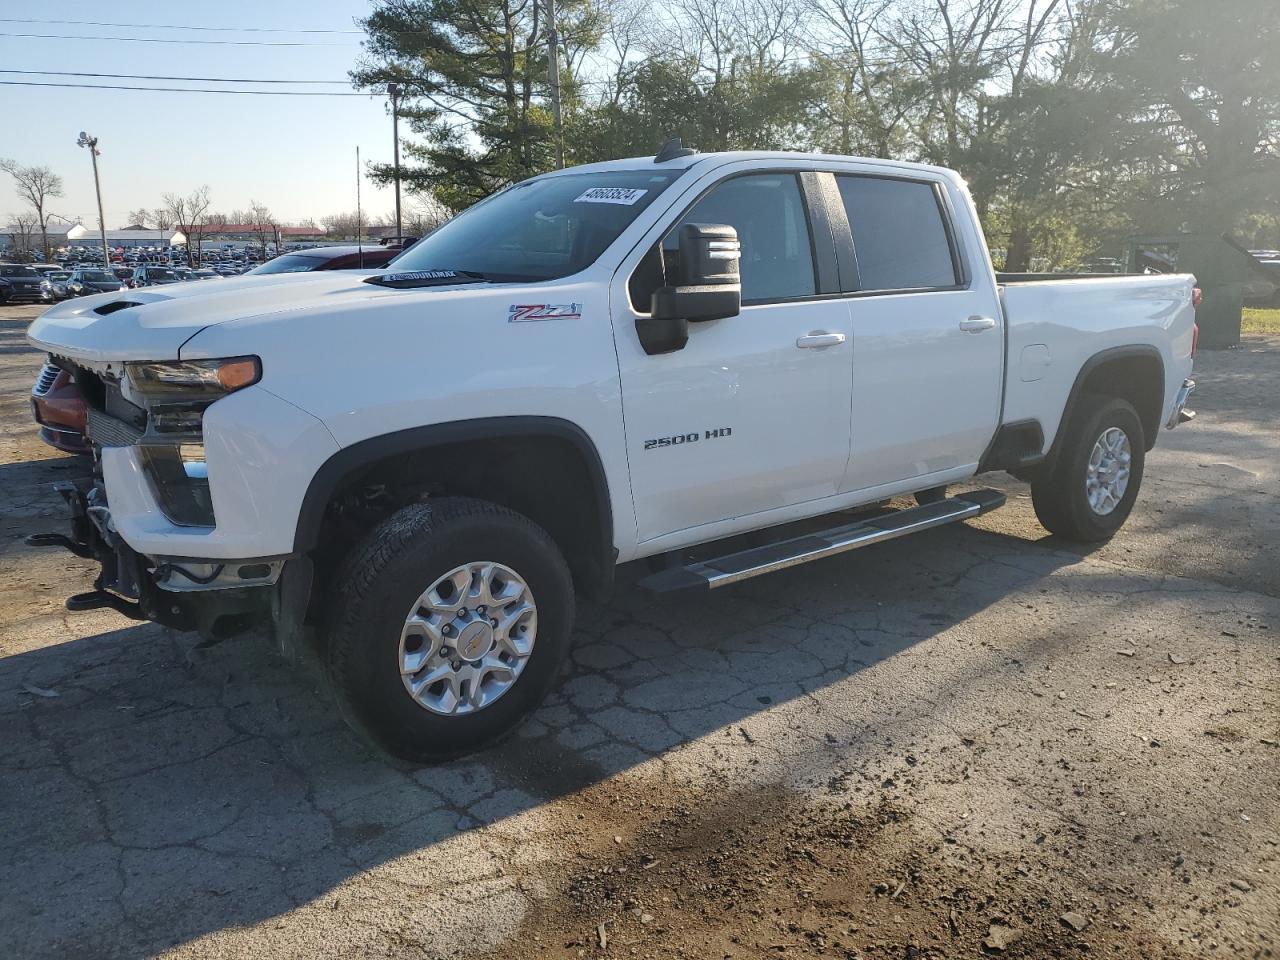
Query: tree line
point(1075, 122)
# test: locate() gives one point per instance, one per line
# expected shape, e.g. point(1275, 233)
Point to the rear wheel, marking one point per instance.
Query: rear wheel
point(1095, 481)
point(451, 622)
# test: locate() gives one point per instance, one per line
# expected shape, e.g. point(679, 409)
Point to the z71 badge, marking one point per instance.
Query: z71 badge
point(682, 438)
point(525, 312)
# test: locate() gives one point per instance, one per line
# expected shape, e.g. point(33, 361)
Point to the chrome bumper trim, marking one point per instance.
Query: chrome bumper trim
point(1180, 413)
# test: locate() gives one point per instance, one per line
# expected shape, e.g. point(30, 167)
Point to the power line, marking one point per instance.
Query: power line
point(144, 76)
point(233, 43)
point(168, 26)
point(259, 93)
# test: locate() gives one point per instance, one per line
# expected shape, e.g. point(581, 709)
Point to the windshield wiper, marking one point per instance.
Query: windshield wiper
point(425, 278)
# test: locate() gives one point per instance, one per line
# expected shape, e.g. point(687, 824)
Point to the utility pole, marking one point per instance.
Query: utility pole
point(394, 90)
point(92, 143)
point(553, 68)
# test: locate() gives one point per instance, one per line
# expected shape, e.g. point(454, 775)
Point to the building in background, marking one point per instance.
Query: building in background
point(124, 238)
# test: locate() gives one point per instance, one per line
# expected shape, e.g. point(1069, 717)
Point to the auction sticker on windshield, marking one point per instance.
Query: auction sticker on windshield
point(624, 195)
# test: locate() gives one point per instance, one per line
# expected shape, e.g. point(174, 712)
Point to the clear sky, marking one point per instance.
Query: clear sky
point(295, 154)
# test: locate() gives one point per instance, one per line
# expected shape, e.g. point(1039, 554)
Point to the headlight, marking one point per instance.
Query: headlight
point(194, 378)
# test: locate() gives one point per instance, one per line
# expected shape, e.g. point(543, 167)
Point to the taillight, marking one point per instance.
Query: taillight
point(1197, 297)
point(1195, 338)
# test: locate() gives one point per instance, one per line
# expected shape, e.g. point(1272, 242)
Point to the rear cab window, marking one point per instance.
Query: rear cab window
point(901, 237)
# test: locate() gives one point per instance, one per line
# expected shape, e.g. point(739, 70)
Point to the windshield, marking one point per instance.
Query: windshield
point(289, 263)
point(99, 276)
point(539, 229)
point(12, 270)
point(159, 273)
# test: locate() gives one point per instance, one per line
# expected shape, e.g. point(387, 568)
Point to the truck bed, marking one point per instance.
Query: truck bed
point(1055, 323)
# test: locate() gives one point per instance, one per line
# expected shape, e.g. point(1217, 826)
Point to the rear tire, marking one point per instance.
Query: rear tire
point(461, 570)
point(1095, 480)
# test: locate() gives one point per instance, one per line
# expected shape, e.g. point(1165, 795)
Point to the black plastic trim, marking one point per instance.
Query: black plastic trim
point(1015, 446)
point(350, 459)
point(1143, 350)
point(841, 234)
point(822, 240)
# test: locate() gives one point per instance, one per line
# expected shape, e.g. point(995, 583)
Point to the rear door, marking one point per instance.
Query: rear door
point(928, 348)
point(752, 415)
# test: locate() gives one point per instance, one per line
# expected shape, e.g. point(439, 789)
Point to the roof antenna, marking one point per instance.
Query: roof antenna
point(672, 150)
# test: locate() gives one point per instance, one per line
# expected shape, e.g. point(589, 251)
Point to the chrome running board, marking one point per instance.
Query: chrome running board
point(734, 567)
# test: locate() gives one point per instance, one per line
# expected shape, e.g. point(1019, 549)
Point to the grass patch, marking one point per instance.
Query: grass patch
point(1257, 320)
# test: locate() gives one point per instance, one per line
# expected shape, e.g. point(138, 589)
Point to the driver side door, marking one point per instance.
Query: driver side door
point(752, 416)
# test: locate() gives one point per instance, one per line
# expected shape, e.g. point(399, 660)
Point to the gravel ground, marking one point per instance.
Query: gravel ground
point(974, 741)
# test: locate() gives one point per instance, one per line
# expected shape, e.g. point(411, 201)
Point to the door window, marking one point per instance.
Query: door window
point(899, 234)
point(768, 212)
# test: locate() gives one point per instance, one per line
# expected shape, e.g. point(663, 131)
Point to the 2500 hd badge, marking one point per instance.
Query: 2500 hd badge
point(681, 438)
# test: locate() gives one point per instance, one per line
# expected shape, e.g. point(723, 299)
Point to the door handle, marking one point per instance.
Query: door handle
point(977, 324)
point(819, 338)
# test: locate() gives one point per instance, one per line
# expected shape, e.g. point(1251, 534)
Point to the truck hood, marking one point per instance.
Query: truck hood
point(152, 323)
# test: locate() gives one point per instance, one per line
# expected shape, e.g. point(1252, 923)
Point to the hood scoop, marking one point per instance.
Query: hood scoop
point(109, 308)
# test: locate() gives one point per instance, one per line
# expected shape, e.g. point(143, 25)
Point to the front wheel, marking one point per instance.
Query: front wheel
point(450, 625)
point(1094, 483)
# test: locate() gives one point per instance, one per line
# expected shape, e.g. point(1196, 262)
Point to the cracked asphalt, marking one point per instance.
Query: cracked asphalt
point(976, 740)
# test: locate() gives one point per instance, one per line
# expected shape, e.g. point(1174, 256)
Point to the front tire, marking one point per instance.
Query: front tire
point(450, 623)
point(1093, 485)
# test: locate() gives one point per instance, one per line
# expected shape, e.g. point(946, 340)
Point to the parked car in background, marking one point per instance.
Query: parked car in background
point(83, 283)
point(54, 286)
point(19, 282)
point(123, 274)
point(151, 276)
point(59, 410)
point(330, 258)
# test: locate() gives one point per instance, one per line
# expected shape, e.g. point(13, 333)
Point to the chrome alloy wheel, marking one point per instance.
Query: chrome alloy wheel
point(467, 638)
point(1108, 475)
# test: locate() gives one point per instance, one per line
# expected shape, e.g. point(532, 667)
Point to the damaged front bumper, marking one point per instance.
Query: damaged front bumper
point(215, 598)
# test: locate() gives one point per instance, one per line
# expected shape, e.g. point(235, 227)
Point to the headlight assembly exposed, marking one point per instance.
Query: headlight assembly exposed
point(194, 378)
point(176, 395)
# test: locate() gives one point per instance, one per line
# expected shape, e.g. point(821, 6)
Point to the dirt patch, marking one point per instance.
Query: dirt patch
point(769, 873)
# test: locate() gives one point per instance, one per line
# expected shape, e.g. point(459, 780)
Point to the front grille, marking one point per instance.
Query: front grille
point(44, 383)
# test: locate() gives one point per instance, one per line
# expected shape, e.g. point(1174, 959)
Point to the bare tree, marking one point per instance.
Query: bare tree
point(141, 216)
point(23, 228)
point(342, 226)
point(426, 215)
point(162, 218)
point(264, 225)
point(191, 216)
point(36, 186)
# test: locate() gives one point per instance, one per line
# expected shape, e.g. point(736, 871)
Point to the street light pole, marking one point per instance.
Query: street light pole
point(92, 143)
point(394, 90)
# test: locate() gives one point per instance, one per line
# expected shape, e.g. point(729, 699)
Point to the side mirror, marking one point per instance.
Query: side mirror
point(709, 288)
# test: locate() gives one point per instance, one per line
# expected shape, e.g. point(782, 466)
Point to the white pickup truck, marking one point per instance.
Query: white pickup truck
point(607, 363)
